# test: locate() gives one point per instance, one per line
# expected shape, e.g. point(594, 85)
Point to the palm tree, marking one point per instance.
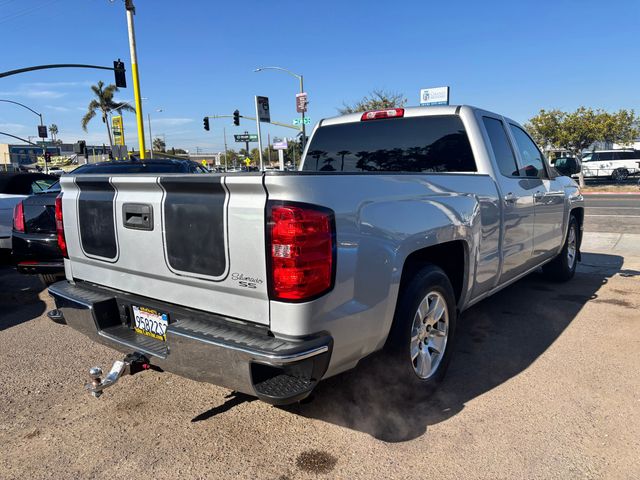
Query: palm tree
point(53, 129)
point(159, 145)
point(104, 103)
point(342, 154)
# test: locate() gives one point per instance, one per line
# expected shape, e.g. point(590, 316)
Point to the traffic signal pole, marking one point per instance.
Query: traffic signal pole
point(259, 135)
point(304, 128)
point(136, 79)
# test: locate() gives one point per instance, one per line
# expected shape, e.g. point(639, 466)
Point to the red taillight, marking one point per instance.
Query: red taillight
point(302, 246)
point(62, 243)
point(378, 114)
point(18, 217)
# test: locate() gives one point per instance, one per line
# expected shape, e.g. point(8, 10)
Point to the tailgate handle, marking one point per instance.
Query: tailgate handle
point(138, 216)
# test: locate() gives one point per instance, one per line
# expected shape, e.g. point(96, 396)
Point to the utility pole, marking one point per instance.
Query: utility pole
point(246, 144)
point(131, 10)
point(224, 132)
point(269, 148)
point(150, 137)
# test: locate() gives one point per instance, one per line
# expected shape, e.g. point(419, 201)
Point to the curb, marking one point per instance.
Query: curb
point(611, 193)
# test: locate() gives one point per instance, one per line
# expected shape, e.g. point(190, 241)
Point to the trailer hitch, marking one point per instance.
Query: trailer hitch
point(132, 364)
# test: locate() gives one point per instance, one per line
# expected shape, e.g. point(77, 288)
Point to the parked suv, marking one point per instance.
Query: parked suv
point(615, 164)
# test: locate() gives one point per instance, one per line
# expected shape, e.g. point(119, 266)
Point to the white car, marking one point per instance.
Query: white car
point(15, 187)
point(614, 164)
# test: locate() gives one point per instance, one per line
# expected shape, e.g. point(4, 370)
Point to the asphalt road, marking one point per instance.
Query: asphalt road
point(612, 213)
point(544, 384)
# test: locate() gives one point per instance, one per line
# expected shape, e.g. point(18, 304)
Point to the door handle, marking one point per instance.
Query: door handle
point(138, 216)
point(510, 198)
point(538, 195)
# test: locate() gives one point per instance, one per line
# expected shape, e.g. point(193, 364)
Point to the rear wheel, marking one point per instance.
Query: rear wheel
point(563, 267)
point(420, 344)
point(620, 174)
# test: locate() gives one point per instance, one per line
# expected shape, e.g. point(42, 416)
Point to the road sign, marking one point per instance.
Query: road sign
point(301, 102)
point(204, 163)
point(262, 106)
point(298, 121)
point(42, 131)
point(434, 96)
point(246, 137)
point(118, 130)
point(280, 143)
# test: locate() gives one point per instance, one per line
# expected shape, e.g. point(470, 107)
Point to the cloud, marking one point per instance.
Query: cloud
point(57, 108)
point(171, 122)
point(57, 84)
point(33, 93)
point(12, 127)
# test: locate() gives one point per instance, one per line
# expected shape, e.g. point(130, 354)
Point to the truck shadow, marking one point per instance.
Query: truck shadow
point(496, 340)
point(19, 301)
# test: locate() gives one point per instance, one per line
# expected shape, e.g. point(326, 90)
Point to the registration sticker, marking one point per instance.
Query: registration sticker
point(150, 322)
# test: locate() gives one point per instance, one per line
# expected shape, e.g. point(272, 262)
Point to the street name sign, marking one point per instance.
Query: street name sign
point(246, 137)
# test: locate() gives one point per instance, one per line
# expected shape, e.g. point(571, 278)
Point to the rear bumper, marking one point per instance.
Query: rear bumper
point(37, 253)
point(200, 346)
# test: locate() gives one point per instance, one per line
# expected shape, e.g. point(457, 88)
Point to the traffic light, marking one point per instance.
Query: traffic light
point(80, 147)
point(236, 118)
point(120, 74)
point(47, 157)
point(205, 121)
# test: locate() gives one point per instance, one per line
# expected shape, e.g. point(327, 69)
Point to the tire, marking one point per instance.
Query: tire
point(563, 267)
point(48, 278)
point(420, 346)
point(620, 174)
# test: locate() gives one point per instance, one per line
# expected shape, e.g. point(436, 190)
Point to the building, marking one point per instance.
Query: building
point(20, 156)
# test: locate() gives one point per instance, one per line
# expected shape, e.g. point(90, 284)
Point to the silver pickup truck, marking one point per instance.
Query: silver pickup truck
point(266, 283)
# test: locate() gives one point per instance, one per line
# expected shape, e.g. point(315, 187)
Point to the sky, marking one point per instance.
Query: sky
point(198, 58)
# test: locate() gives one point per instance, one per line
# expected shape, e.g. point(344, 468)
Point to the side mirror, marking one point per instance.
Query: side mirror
point(568, 166)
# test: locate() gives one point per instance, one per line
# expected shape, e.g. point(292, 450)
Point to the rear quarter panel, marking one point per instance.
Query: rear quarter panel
point(380, 220)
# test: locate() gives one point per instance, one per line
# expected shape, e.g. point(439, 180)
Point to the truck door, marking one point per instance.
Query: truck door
point(548, 197)
point(517, 202)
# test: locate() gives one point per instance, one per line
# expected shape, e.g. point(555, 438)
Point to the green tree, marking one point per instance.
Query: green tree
point(376, 100)
point(159, 145)
point(232, 158)
point(546, 127)
point(104, 103)
point(576, 131)
point(619, 127)
point(255, 156)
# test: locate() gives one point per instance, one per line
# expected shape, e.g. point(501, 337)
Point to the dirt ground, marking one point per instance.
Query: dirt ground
point(544, 384)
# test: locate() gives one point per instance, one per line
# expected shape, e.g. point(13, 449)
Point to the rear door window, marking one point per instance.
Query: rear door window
point(531, 157)
point(605, 156)
point(414, 144)
point(501, 147)
point(628, 156)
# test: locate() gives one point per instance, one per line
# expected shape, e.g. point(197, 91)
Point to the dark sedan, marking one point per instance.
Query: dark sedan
point(34, 237)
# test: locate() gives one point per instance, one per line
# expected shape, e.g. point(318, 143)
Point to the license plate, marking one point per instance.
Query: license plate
point(149, 322)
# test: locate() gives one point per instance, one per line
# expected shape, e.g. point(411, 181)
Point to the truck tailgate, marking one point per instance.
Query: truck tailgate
point(192, 240)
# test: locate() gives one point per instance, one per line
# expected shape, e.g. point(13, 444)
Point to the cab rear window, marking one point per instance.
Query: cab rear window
point(413, 144)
